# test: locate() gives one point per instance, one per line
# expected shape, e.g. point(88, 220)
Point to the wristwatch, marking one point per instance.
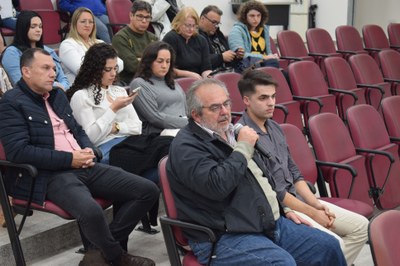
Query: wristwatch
point(117, 127)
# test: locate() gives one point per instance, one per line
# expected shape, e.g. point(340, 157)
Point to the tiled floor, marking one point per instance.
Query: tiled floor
point(152, 246)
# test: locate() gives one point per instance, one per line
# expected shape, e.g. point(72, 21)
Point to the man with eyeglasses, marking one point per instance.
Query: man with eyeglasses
point(221, 183)
point(220, 54)
point(131, 41)
point(99, 10)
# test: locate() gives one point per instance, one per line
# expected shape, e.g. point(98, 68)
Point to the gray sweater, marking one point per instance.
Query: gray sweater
point(158, 106)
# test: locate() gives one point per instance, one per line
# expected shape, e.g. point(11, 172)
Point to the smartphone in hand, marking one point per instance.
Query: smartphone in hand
point(134, 91)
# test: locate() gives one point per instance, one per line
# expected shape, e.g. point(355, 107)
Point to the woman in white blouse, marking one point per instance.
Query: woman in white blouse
point(82, 35)
point(104, 110)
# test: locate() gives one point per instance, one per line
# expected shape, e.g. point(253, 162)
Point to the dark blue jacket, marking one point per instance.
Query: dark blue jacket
point(213, 187)
point(26, 133)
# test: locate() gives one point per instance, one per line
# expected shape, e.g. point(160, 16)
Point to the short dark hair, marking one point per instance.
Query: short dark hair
point(140, 5)
point(253, 77)
point(253, 5)
point(29, 54)
point(211, 8)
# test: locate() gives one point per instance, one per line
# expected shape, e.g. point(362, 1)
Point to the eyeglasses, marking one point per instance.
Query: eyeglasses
point(214, 22)
point(109, 69)
point(85, 21)
point(141, 18)
point(188, 26)
point(216, 108)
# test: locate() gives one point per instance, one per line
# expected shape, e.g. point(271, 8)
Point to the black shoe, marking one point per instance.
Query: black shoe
point(93, 257)
point(127, 259)
point(147, 230)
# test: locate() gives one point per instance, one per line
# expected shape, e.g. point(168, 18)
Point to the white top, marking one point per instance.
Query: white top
point(71, 54)
point(97, 120)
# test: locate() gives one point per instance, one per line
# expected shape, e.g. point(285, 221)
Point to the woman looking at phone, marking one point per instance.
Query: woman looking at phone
point(103, 109)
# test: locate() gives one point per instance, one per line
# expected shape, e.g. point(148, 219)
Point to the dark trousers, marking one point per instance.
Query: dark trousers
point(74, 190)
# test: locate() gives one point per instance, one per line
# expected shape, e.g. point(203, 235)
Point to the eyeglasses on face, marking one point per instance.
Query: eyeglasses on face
point(191, 26)
point(109, 69)
point(85, 21)
point(214, 22)
point(216, 108)
point(141, 18)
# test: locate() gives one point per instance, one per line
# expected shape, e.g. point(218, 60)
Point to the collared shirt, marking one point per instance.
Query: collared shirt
point(283, 170)
point(247, 151)
point(63, 138)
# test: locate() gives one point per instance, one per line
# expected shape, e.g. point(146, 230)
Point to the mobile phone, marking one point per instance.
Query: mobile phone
point(134, 91)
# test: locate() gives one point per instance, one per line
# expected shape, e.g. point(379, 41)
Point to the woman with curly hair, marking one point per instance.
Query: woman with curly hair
point(251, 33)
point(104, 110)
point(161, 103)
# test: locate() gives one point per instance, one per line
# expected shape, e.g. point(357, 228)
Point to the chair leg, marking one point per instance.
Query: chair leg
point(11, 227)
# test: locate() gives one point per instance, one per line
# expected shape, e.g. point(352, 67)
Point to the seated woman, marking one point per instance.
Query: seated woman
point(161, 103)
point(251, 34)
point(192, 54)
point(104, 110)
point(106, 113)
point(29, 34)
point(81, 36)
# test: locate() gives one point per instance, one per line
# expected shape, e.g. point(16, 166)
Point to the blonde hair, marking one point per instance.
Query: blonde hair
point(73, 31)
point(183, 14)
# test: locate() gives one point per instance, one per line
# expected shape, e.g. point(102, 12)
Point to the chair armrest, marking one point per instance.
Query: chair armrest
point(394, 139)
point(32, 171)
point(97, 152)
point(343, 166)
point(395, 46)
point(355, 97)
point(373, 49)
point(291, 58)
point(311, 186)
point(380, 88)
point(304, 98)
point(384, 153)
point(322, 55)
point(391, 80)
point(284, 110)
point(346, 52)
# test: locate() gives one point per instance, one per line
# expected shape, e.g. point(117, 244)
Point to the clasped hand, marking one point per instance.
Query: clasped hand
point(83, 158)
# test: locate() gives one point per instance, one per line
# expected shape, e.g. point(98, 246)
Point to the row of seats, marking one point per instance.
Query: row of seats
point(359, 178)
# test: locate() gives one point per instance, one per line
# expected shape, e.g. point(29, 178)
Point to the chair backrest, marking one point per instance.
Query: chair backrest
point(393, 30)
point(366, 71)
point(301, 152)
point(368, 131)
point(391, 115)
point(118, 13)
point(185, 83)
point(36, 4)
point(291, 44)
point(375, 37)
point(340, 76)
point(384, 240)
point(284, 97)
point(169, 201)
point(231, 80)
point(52, 33)
point(307, 80)
point(320, 41)
point(349, 39)
point(390, 66)
point(283, 63)
point(332, 143)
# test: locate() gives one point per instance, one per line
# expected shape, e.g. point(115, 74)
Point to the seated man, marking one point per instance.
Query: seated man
point(37, 127)
point(220, 55)
point(351, 229)
point(133, 38)
point(220, 183)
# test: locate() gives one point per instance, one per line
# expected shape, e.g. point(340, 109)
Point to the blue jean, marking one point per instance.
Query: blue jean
point(106, 147)
point(293, 245)
point(73, 190)
point(10, 23)
point(101, 28)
